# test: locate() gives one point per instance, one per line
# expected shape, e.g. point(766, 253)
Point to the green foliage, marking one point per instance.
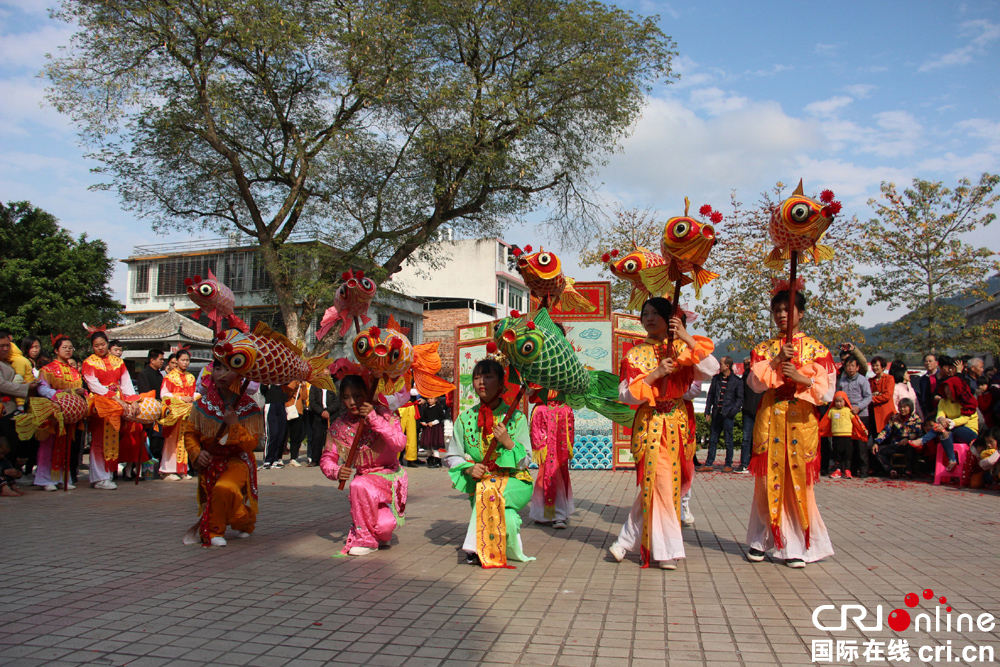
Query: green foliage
point(738, 303)
point(49, 281)
point(915, 241)
point(367, 123)
point(702, 429)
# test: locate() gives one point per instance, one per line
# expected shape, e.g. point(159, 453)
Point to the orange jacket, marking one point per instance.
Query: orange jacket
point(859, 432)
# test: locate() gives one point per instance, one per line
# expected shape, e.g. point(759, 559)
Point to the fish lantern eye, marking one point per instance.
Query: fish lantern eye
point(708, 231)
point(237, 361)
point(367, 284)
point(681, 229)
point(630, 266)
point(394, 356)
point(205, 290)
point(362, 345)
point(527, 347)
point(545, 259)
point(800, 212)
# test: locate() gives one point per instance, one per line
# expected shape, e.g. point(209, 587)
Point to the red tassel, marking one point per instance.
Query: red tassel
point(807, 539)
point(813, 468)
point(779, 541)
point(643, 558)
point(758, 465)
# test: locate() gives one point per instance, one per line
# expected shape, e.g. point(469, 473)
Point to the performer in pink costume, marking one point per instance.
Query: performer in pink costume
point(552, 434)
point(378, 490)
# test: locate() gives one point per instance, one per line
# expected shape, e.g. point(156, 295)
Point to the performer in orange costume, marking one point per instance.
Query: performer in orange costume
point(227, 486)
point(110, 392)
point(794, 378)
point(178, 394)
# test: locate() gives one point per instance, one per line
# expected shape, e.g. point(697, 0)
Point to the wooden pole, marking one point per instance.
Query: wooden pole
point(488, 456)
point(675, 308)
point(69, 451)
point(791, 295)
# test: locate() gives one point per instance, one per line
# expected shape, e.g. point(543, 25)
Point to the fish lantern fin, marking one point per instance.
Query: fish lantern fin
point(196, 315)
point(823, 253)
point(657, 279)
point(637, 298)
point(319, 372)
point(570, 299)
point(265, 331)
point(543, 320)
point(798, 190)
point(236, 322)
point(211, 276)
point(703, 276)
point(775, 260)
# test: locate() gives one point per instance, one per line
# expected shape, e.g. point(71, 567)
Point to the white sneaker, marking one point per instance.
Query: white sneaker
point(71, 486)
point(242, 534)
point(687, 520)
point(559, 524)
point(668, 565)
point(105, 485)
point(218, 541)
point(617, 552)
point(171, 478)
point(187, 477)
point(50, 487)
point(277, 465)
point(361, 551)
point(294, 464)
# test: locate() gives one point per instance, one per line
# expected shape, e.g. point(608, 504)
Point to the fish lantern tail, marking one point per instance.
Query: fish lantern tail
point(319, 373)
point(330, 318)
point(570, 299)
point(776, 260)
point(637, 298)
point(236, 322)
point(822, 253)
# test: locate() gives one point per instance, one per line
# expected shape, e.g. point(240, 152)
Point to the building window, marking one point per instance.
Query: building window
point(516, 298)
point(140, 284)
point(407, 326)
point(501, 289)
point(245, 272)
point(174, 270)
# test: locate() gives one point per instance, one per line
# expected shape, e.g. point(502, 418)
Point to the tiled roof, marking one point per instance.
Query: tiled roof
point(170, 324)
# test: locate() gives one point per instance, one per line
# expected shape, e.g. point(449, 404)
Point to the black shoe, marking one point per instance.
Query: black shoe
point(433, 463)
point(755, 555)
point(472, 559)
point(795, 562)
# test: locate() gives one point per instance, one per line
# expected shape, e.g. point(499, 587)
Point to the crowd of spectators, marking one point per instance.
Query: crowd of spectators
point(886, 419)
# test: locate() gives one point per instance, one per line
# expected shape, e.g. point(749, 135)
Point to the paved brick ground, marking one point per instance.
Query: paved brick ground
point(102, 578)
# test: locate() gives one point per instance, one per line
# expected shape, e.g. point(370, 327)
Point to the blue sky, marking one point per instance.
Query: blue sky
point(844, 95)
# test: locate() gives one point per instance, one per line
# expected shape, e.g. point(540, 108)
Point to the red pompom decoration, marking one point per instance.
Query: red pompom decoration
point(826, 196)
point(527, 248)
point(375, 332)
point(197, 278)
point(346, 275)
point(835, 207)
point(605, 258)
point(531, 325)
point(705, 210)
point(360, 275)
point(614, 253)
point(716, 217)
point(516, 251)
point(188, 282)
point(491, 348)
point(515, 313)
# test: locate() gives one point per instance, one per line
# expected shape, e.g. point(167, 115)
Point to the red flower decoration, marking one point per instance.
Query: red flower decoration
point(375, 332)
point(515, 313)
point(361, 274)
point(515, 251)
point(835, 207)
point(826, 196)
point(197, 278)
point(614, 253)
point(346, 275)
point(705, 210)
point(188, 282)
point(491, 348)
point(527, 248)
point(605, 258)
point(531, 325)
point(716, 217)
point(468, 355)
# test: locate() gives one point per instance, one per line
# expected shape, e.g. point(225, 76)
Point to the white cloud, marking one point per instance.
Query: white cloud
point(826, 49)
point(774, 69)
point(674, 152)
point(970, 166)
point(29, 6)
point(23, 108)
point(899, 134)
point(860, 90)
point(27, 50)
point(828, 107)
point(693, 74)
point(716, 101)
point(982, 31)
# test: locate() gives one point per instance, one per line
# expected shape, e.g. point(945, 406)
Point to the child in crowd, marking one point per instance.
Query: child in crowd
point(839, 420)
point(9, 474)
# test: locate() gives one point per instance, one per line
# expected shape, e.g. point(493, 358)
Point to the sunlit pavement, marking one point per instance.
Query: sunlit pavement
point(101, 577)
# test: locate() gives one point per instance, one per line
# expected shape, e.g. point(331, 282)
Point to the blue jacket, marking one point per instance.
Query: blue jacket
point(732, 400)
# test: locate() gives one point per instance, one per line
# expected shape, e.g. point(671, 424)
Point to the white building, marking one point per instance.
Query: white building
point(156, 276)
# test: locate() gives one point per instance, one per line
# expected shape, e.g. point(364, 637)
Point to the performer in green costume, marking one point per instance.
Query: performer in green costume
point(497, 488)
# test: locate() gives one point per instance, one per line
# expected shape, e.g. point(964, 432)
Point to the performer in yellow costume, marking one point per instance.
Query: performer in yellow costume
point(795, 378)
point(227, 486)
point(656, 382)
